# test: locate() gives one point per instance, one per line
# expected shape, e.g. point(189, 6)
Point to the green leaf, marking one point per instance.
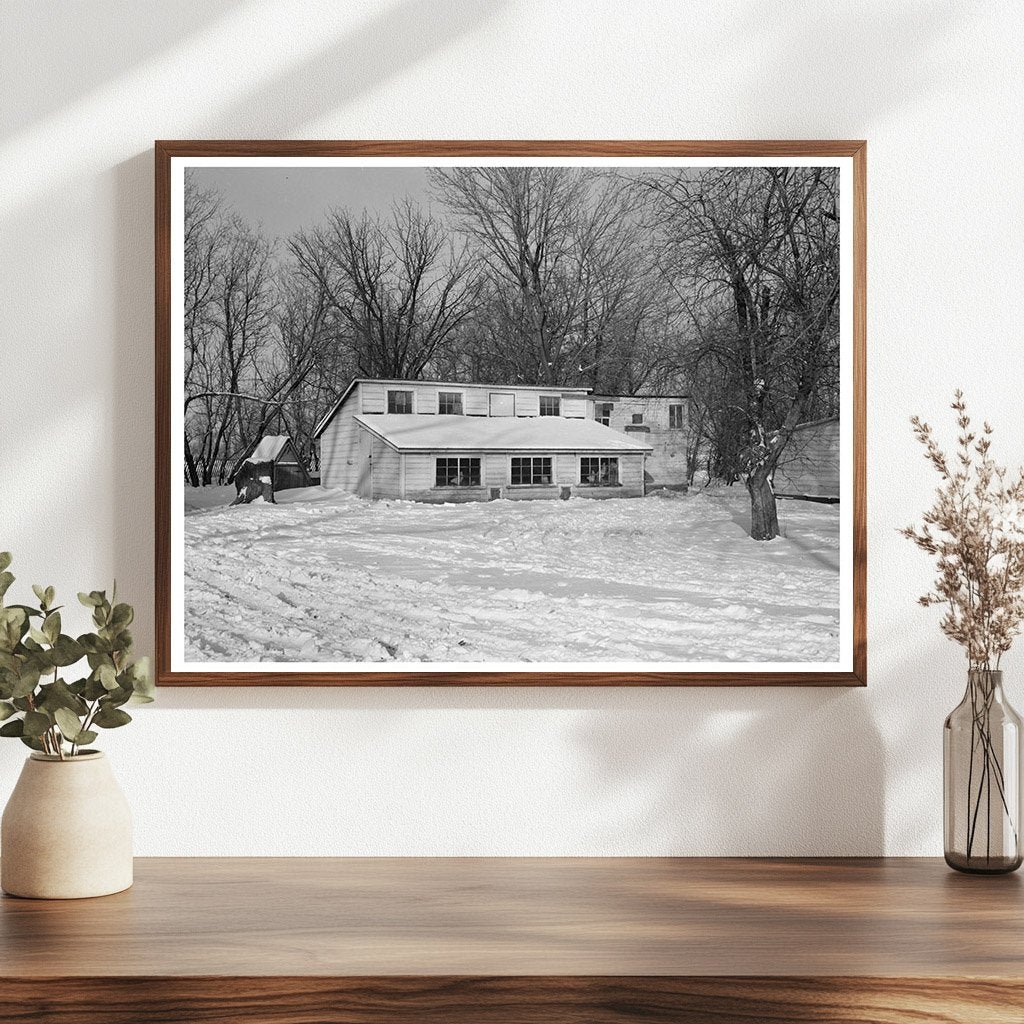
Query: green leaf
point(66, 651)
point(89, 600)
point(94, 689)
point(111, 718)
point(6, 579)
point(27, 682)
point(50, 595)
point(122, 616)
point(40, 593)
point(51, 626)
point(13, 625)
point(5, 560)
point(13, 728)
point(31, 741)
point(69, 724)
point(86, 736)
point(94, 644)
point(115, 698)
point(107, 676)
point(36, 723)
point(28, 610)
point(59, 695)
point(6, 710)
point(38, 635)
point(142, 682)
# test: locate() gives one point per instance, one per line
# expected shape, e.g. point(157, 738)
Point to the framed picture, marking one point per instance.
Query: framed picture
point(492, 413)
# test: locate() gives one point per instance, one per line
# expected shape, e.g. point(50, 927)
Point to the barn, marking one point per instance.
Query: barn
point(438, 442)
point(275, 456)
point(809, 466)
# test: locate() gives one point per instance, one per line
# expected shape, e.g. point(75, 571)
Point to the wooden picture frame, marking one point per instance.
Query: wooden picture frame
point(850, 155)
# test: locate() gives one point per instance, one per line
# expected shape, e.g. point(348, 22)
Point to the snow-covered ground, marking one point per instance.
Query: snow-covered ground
point(326, 577)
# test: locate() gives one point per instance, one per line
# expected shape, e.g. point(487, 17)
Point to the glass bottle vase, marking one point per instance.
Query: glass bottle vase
point(981, 770)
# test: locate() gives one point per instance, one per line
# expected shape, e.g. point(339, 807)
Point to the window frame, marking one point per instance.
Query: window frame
point(400, 391)
point(460, 395)
point(600, 459)
point(557, 399)
point(636, 419)
point(458, 460)
point(603, 413)
point(675, 410)
point(532, 482)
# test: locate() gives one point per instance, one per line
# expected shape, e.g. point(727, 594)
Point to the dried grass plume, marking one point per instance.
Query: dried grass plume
point(975, 530)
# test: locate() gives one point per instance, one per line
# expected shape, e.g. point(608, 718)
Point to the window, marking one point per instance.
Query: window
point(460, 472)
point(550, 405)
point(596, 472)
point(532, 470)
point(675, 417)
point(449, 403)
point(603, 413)
point(400, 401)
point(638, 417)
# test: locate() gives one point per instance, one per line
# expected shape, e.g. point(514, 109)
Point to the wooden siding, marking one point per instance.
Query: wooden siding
point(339, 450)
point(527, 403)
point(371, 398)
point(574, 407)
point(810, 462)
point(666, 465)
point(387, 470)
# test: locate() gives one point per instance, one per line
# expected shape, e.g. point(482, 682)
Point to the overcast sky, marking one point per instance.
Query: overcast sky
point(286, 199)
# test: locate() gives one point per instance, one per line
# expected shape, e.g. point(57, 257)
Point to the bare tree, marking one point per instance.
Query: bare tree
point(571, 294)
point(758, 255)
point(228, 347)
point(398, 288)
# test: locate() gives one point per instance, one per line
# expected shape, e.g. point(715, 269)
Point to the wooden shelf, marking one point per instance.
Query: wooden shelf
point(573, 941)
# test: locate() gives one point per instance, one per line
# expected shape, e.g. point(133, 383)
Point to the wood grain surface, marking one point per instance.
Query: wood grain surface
point(166, 150)
point(284, 941)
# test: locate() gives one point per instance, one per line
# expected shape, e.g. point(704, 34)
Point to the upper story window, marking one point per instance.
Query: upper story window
point(603, 413)
point(675, 417)
point(638, 417)
point(550, 405)
point(449, 403)
point(531, 470)
point(400, 401)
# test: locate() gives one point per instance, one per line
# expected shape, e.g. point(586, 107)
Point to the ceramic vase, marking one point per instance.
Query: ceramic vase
point(66, 831)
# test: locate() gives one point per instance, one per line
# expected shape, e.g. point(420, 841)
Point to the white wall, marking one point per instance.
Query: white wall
point(937, 89)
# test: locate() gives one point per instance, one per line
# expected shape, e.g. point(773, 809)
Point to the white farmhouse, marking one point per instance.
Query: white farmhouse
point(437, 441)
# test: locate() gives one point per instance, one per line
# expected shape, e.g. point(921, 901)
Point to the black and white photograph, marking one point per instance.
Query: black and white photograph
point(569, 414)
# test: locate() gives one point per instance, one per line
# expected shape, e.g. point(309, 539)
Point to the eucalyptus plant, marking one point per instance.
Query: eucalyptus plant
point(37, 704)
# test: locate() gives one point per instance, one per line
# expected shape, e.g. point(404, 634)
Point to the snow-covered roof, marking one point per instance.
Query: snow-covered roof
point(415, 432)
point(269, 448)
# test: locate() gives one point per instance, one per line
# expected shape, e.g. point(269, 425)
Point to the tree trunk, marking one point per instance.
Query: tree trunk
point(764, 516)
point(190, 465)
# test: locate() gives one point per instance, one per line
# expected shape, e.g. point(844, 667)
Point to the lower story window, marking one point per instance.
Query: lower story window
point(596, 472)
point(458, 473)
point(531, 470)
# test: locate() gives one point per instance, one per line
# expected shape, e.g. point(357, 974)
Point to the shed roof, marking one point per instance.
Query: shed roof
point(416, 432)
point(269, 448)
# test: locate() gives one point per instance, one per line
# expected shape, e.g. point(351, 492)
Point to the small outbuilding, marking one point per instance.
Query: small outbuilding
point(273, 459)
point(809, 466)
